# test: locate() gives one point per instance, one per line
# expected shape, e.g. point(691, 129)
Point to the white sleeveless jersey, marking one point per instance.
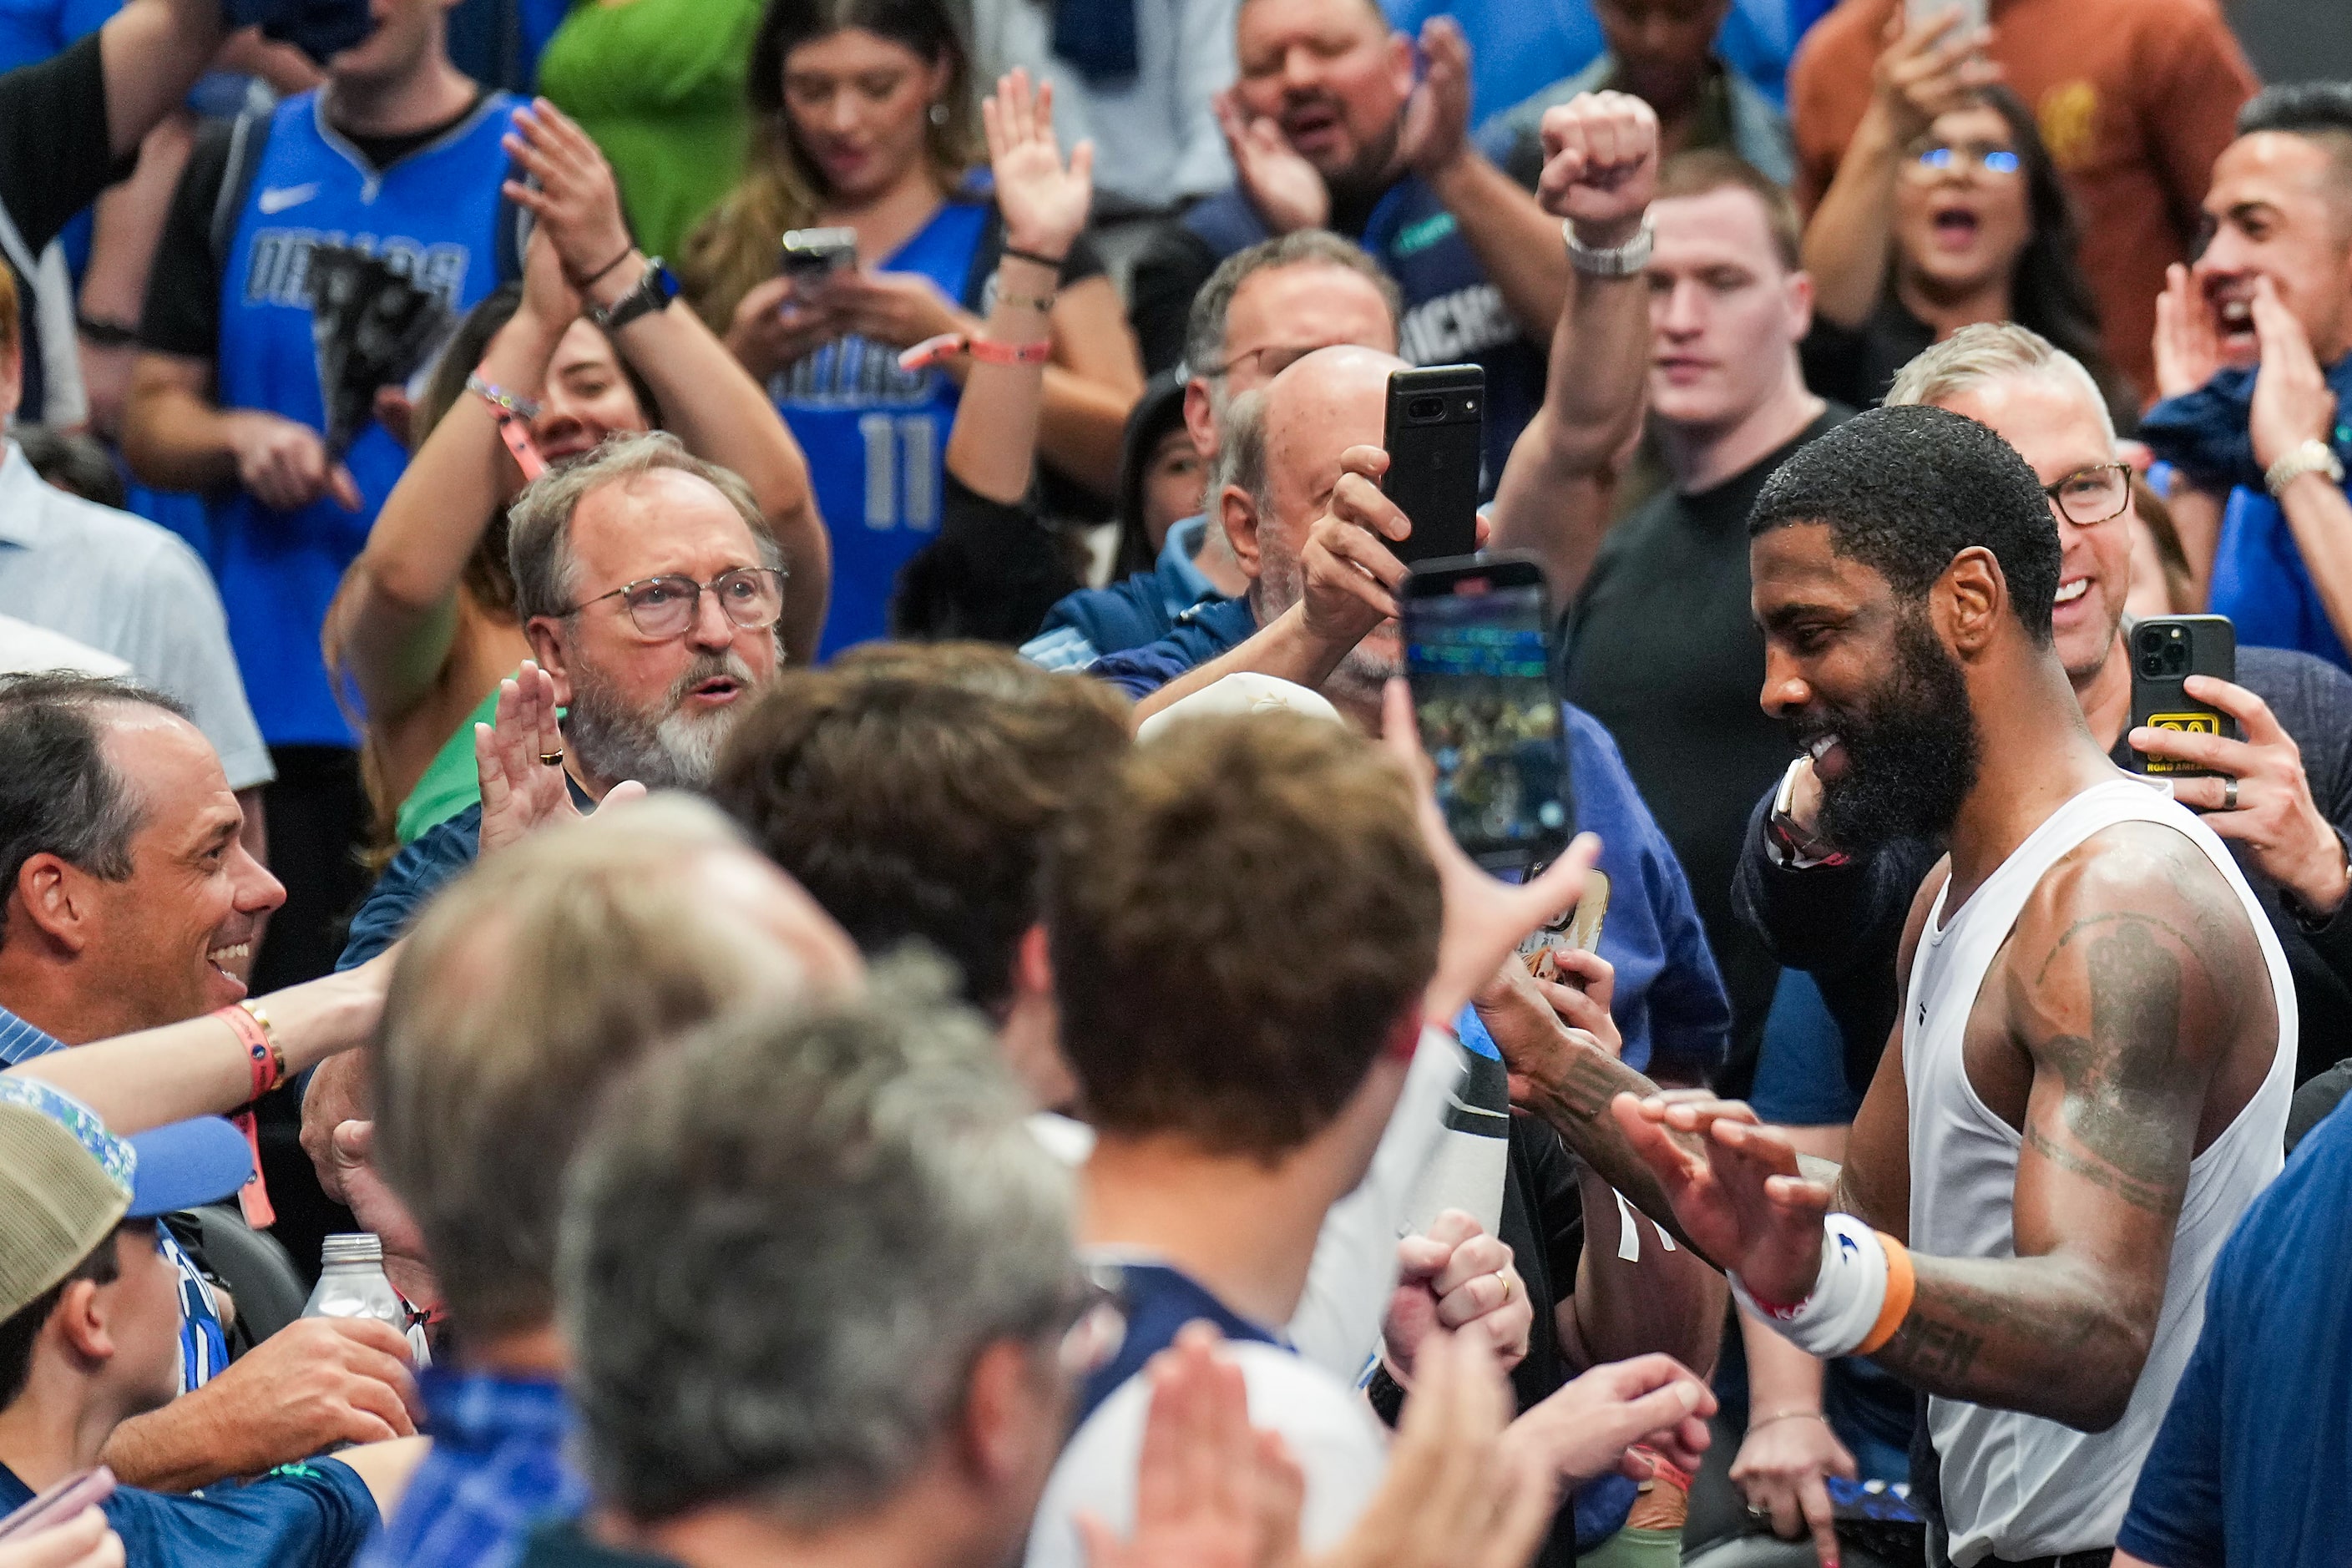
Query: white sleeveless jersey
point(2016, 1485)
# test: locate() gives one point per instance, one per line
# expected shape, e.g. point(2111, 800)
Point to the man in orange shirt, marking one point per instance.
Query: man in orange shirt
point(2135, 99)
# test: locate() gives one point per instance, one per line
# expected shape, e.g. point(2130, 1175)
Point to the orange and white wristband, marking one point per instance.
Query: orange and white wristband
point(1859, 1298)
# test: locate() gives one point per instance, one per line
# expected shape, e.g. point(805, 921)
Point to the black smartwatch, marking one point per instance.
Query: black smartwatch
point(656, 288)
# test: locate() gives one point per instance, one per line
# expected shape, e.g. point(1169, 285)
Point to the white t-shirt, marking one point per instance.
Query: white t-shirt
point(1338, 1441)
point(1337, 1325)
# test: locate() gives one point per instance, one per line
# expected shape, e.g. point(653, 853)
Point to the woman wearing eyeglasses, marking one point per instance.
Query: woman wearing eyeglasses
point(1947, 210)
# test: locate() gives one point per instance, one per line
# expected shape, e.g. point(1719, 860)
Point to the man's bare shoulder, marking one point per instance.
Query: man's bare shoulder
point(2134, 936)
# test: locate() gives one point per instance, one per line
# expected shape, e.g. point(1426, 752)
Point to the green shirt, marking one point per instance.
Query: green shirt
point(660, 84)
point(451, 781)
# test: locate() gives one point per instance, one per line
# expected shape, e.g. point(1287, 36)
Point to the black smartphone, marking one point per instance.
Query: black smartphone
point(1477, 652)
point(2166, 650)
point(813, 255)
point(1437, 441)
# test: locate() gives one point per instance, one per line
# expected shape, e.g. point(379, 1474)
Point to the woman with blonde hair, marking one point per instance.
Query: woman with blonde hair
point(863, 121)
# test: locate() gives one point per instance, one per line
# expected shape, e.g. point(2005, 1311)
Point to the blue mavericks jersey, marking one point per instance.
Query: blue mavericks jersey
point(434, 215)
point(1453, 315)
point(877, 438)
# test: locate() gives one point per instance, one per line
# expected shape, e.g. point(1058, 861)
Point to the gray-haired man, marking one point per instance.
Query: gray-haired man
point(650, 586)
point(830, 1239)
point(1262, 308)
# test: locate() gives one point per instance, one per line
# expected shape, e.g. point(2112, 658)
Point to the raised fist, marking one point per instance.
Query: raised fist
point(1600, 164)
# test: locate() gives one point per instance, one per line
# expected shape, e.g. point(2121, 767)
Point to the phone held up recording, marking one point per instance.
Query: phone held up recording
point(1477, 654)
point(2166, 650)
point(1436, 442)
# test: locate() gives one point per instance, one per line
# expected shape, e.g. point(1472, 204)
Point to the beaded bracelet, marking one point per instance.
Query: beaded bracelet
point(499, 398)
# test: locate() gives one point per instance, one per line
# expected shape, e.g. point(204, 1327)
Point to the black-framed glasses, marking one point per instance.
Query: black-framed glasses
point(1942, 158)
point(2092, 495)
point(664, 607)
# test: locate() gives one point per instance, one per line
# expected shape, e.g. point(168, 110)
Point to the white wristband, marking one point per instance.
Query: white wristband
point(1843, 1305)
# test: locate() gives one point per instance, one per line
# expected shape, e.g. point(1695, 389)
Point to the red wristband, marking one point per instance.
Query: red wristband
point(931, 351)
point(253, 1034)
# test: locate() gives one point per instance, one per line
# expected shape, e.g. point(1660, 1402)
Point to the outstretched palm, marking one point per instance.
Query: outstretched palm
point(1044, 200)
point(1735, 1187)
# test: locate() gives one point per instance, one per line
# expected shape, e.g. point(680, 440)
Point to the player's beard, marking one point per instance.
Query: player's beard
point(1368, 667)
point(668, 748)
point(1911, 748)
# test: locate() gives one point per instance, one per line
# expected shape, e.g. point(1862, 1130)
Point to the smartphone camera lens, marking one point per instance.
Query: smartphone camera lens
point(2151, 664)
point(1425, 410)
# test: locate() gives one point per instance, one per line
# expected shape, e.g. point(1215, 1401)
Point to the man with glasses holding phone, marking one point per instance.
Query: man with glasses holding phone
point(650, 587)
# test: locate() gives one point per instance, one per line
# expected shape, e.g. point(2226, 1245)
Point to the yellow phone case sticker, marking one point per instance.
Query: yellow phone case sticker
point(2188, 723)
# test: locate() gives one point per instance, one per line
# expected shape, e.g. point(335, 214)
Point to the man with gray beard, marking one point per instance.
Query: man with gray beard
point(649, 586)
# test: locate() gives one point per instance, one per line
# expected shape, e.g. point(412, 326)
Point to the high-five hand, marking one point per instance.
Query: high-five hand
point(520, 759)
point(1735, 1186)
point(1600, 164)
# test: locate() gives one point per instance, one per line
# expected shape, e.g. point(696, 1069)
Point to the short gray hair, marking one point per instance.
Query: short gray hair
point(1992, 350)
point(1241, 452)
point(539, 522)
point(786, 1243)
point(530, 983)
point(1204, 329)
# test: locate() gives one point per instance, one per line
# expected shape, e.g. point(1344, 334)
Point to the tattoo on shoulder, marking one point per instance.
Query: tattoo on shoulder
point(2125, 1108)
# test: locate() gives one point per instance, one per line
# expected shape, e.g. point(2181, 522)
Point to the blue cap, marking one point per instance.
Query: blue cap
point(172, 1167)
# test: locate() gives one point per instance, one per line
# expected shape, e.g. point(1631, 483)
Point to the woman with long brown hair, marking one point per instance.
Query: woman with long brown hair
point(863, 121)
point(424, 627)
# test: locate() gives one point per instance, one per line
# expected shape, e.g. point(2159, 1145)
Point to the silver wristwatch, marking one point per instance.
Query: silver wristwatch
point(1615, 261)
point(2312, 457)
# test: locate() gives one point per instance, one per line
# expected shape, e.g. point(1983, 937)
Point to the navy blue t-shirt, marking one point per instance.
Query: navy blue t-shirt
point(2250, 1464)
point(312, 1515)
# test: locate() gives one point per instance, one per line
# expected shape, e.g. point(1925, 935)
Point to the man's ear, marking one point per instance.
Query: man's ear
point(83, 1324)
point(1237, 513)
point(56, 898)
point(1798, 297)
point(550, 646)
point(1198, 423)
point(1008, 1415)
point(1971, 598)
point(1401, 63)
point(1032, 962)
point(12, 378)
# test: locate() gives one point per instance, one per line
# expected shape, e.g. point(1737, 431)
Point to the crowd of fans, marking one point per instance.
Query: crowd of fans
point(822, 841)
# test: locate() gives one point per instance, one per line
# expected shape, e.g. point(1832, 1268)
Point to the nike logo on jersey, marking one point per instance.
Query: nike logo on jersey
point(278, 198)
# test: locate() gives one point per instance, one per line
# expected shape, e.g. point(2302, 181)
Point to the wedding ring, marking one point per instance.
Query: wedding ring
point(2229, 794)
point(552, 759)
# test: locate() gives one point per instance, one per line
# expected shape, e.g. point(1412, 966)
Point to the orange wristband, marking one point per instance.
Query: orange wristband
point(1902, 1285)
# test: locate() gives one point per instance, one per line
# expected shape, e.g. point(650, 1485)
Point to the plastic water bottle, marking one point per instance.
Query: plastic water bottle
point(351, 1284)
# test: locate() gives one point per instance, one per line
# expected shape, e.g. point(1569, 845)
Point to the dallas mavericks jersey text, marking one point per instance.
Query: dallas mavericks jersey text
point(436, 213)
point(280, 272)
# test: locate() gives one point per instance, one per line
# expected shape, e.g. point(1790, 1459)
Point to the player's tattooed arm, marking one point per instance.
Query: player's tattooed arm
point(2126, 981)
